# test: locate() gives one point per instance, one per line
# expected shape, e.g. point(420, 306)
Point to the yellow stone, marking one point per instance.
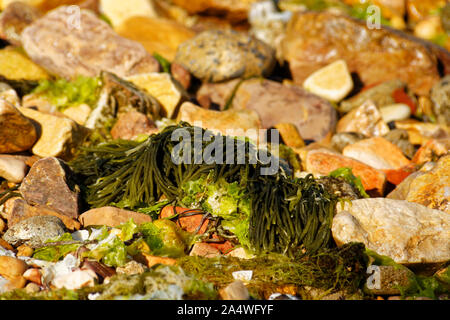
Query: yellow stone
point(16, 65)
point(60, 137)
point(161, 86)
point(79, 113)
point(118, 11)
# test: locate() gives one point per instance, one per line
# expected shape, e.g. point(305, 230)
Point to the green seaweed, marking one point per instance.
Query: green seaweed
point(55, 253)
point(348, 176)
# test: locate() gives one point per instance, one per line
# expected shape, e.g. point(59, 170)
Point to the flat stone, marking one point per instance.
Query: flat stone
point(219, 55)
point(58, 137)
point(49, 184)
point(67, 48)
point(17, 210)
point(112, 217)
point(365, 119)
point(407, 232)
point(17, 133)
point(316, 39)
point(12, 169)
point(319, 162)
point(378, 153)
point(275, 103)
point(229, 122)
point(429, 188)
point(132, 124)
point(34, 231)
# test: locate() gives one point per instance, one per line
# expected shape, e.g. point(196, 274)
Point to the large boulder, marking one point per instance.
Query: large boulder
point(218, 55)
point(407, 232)
point(69, 47)
point(316, 39)
point(275, 103)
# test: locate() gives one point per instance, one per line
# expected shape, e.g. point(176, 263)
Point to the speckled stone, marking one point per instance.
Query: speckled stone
point(218, 55)
point(34, 231)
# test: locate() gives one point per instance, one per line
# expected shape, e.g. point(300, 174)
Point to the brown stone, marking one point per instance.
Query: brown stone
point(150, 260)
point(34, 275)
point(24, 251)
point(290, 135)
point(316, 39)
point(191, 223)
point(131, 124)
point(181, 74)
point(276, 103)
point(17, 210)
point(112, 217)
point(12, 168)
point(17, 133)
point(11, 268)
point(49, 184)
point(365, 119)
point(201, 249)
point(431, 150)
point(64, 47)
point(323, 163)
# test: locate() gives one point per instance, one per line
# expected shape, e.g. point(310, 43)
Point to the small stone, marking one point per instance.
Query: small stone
point(407, 232)
point(400, 138)
point(343, 139)
point(240, 253)
point(17, 210)
point(235, 291)
point(59, 137)
point(34, 231)
point(131, 267)
point(193, 224)
point(290, 135)
point(431, 151)
point(75, 280)
point(339, 187)
point(16, 65)
point(14, 18)
point(12, 169)
point(219, 55)
point(24, 251)
point(394, 112)
point(421, 132)
point(66, 51)
point(15, 283)
point(34, 275)
point(378, 153)
point(151, 261)
point(181, 74)
point(31, 288)
point(132, 124)
point(17, 133)
point(79, 113)
point(201, 249)
point(365, 119)
point(395, 298)
point(112, 217)
point(49, 184)
point(319, 162)
point(228, 122)
point(11, 268)
point(119, 11)
point(9, 94)
point(440, 95)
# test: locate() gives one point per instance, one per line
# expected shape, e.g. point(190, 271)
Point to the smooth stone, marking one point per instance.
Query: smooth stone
point(111, 216)
point(394, 112)
point(132, 124)
point(12, 169)
point(235, 291)
point(34, 231)
point(119, 11)
point(49, 184)
point(15, 17)
point(205, 250)
point(407, 232)
point(11, 268)
point(342, 139)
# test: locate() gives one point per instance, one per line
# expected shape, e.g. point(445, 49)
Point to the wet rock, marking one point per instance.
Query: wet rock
point(34, 231)
point(339, 187)
point(381, 95)
point(440, 95)
point(131, 267)
point(49, 184)
point(17, 133)
point(432, 151)
point(17, 210)
point(235, 291)
point(342, 139)
point(132, 124)
point(205, 250)
point(276, 103)
point(119, 11)
point(228, 122)
point(319, 162)
point(59, 137)
point(407, 232)
point(85, 47)
point(378, 153)
point(389, 280)
point(16, 17)
point(111, 216)
point(400, 138)
point(315, 39)
point(365, 119)
point(161, 86)
point(421, 132)
point(12, 169)
point(429, 188)
point(164, 38)
point(11, 268)
point(217, 55)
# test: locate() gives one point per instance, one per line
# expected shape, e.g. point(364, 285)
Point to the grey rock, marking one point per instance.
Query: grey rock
point(34, 231)
point(219, 55)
